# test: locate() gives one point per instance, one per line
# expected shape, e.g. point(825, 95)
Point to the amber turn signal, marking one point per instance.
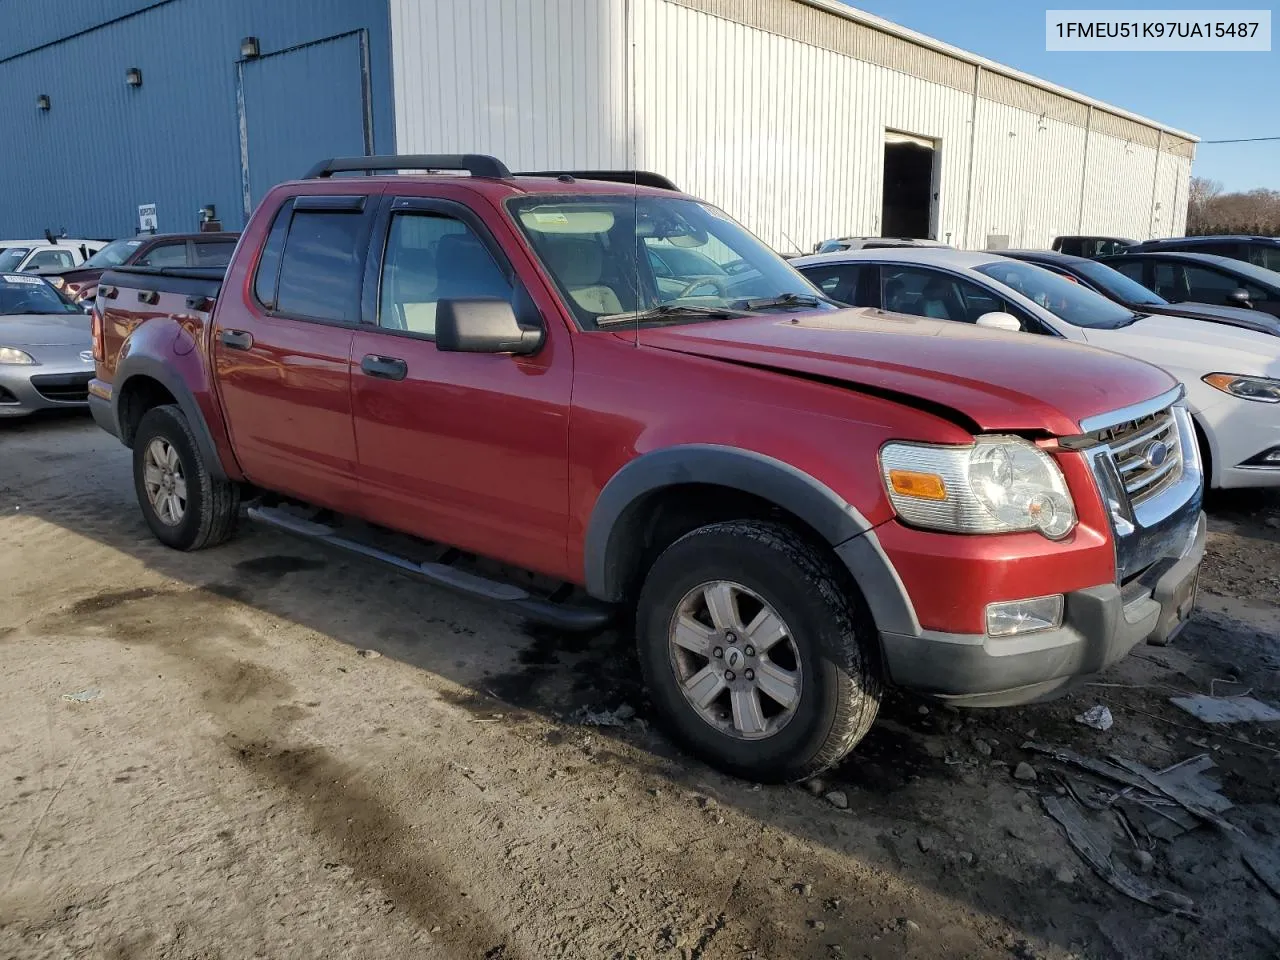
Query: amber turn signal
point(926, 486)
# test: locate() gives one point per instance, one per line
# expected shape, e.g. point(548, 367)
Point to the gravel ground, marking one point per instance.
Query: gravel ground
point(278, 753)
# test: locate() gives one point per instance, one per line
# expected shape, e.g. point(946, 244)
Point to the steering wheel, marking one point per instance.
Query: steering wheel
point(721, 287)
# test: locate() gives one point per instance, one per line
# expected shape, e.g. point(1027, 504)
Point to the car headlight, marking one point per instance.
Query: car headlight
point(57, 282)
point(1262, 389)
point(995, 485)
point(14, 355)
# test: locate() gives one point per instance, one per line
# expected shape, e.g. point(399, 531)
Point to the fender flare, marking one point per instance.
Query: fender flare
point(836, 521)
point(130, 367)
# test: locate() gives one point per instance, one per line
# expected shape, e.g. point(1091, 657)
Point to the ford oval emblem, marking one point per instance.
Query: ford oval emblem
point(1155, 453)
point(86, 356)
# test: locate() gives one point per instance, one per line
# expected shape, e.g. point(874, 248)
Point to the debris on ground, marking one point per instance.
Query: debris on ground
point(838, 799)
point(1227, 709)
point(1024, 772)
point(83, 696)
point(1098, 716)
point(619, 716)
point(368, 654)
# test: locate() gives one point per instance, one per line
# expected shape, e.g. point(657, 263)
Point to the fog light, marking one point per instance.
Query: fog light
point(1015, 617)
point(1267, 458)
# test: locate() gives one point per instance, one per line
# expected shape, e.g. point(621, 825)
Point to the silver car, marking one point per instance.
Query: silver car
point(46, 348)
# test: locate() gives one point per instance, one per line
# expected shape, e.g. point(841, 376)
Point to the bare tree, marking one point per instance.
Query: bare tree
point(1210, 211)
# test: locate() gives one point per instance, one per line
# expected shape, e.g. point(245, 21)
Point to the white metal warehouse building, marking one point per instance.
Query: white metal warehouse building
point(804, 119)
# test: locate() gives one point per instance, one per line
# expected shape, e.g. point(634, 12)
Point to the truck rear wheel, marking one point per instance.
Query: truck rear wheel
point(757, 659)
point(185, 507)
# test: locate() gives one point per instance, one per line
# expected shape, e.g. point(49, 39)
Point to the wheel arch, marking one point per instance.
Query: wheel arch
point(145, 383)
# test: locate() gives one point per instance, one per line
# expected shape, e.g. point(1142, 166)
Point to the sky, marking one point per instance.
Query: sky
point(1216, 96)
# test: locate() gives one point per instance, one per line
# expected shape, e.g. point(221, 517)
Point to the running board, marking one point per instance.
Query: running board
point(577, 618)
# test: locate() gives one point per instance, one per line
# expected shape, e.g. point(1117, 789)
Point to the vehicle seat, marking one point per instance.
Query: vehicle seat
point(895, 293)
point(579, 263)
point(414, 285)
point(939, 301)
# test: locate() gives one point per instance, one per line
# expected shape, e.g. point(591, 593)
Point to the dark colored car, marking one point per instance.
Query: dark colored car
point(1089, 246)
point(1124, 290)
point(794, 503)
point(150, 250)
point(1199, 277)
point(1260, 251)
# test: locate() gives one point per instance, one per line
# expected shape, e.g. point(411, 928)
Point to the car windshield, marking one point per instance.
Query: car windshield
point(1060, 296)
point(1115, 284)
point(21, 294)
point(113, 254)
point(1251, 271)
point(13, 256)
point(656, 259)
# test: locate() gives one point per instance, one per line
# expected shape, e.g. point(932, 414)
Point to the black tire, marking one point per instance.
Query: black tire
point(831, 629)
point(212, 506)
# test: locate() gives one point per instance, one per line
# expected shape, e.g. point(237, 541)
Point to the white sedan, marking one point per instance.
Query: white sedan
point(1231, 375)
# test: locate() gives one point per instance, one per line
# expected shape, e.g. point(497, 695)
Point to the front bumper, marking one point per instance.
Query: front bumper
point(1101, 625)
point(24, 389)
point(1238, 431)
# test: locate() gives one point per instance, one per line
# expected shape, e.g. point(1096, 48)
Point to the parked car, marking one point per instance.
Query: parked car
point(45, 359)
point(1231, 375)
point(1260, 251)
point(871, 243)
point(1203, 278)
point(151, 250)
point(1114, 285)
point(799, 503)
point(46, 256)
point(1091, 246)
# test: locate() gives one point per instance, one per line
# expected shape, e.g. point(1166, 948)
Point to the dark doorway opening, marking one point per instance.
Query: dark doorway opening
point(908, 187)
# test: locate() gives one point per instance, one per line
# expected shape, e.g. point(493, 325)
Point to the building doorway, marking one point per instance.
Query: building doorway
point(910, 187)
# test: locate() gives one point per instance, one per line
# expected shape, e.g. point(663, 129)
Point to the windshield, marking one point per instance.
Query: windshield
point(1117, 285)
point(113, 254)
point(21, 294)
point(666, 258)
point(1061, 297)
point(13, 256)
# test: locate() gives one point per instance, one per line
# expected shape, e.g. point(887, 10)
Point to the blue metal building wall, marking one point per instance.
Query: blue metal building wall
point(104, 147)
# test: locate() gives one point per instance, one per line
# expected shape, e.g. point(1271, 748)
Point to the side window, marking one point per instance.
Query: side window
point(165, 255)
point(320, 266)
point(1265, 256)
point(1131, 267)
point(839, 281)
point(430, 258)
point(930, 293)
point(51, 258)
point(1231, 250)
point(1071, 245)
point(264, 283)
point(213, 253)
point(1209, 286)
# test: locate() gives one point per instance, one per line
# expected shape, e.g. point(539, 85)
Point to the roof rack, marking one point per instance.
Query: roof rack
point(476, 164)
point(644, 178)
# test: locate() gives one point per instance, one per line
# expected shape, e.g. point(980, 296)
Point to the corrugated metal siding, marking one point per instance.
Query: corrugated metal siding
point(30, 23)
point(105, 148)
point(539, 85)
point(1117, 193)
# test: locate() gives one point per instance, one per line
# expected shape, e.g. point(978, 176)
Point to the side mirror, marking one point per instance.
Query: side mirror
point(1239, 297)
point(483, 326)
point(999, 320)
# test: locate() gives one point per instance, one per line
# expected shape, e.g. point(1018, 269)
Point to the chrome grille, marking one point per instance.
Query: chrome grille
point(1147, 454)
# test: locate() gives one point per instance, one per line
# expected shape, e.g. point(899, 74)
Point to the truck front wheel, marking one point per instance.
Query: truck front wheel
point(756, 656)
point(184, 505)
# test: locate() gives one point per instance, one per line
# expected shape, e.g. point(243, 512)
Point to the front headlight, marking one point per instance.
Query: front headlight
point(14, 355)
point(1262, 389)
point(57, 282)
point(995, 485)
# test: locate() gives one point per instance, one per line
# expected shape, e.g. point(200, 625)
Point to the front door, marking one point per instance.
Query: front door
point(283, 356)
point(466, 449)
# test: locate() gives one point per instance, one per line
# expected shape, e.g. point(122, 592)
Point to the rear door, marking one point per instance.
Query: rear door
point(283, 356)
point(464, 448)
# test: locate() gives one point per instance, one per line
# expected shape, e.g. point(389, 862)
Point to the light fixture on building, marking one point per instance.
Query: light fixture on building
point(249, 49)
point(42, 101)
point(133, 77)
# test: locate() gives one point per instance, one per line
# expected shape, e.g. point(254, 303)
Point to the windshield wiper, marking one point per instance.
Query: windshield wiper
point(668, 311)
point(786, 300)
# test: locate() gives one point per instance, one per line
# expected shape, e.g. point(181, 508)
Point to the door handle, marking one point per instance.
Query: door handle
point(384, 368)
point(237, 339)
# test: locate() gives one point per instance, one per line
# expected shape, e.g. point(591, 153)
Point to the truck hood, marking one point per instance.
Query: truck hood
point(1191, 348)
point(39, 330)
point(994, 379)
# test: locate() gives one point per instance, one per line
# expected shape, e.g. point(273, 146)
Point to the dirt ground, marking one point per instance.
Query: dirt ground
point(278, 753)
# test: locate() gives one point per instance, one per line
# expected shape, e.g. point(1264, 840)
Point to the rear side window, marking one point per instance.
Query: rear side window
point(264, 285)
point(1267, 256)
point(839, 281)
point(320, 268)
point(165, 255)
point(213, 253)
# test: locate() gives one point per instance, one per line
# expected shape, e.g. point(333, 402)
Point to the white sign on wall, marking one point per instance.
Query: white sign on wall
point(147, 218)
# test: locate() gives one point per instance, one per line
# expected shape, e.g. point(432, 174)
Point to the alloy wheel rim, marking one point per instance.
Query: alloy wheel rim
point(735, 660)
point(165, 484)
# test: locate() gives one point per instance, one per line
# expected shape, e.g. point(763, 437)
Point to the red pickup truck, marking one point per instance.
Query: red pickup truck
point(575, 396)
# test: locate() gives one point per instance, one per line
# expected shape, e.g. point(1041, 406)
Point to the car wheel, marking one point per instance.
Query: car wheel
point(185, 507)
point(756, 655)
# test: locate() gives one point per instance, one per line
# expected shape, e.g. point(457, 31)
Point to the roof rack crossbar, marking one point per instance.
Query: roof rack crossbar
point(476, 164)
point(644, 178)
